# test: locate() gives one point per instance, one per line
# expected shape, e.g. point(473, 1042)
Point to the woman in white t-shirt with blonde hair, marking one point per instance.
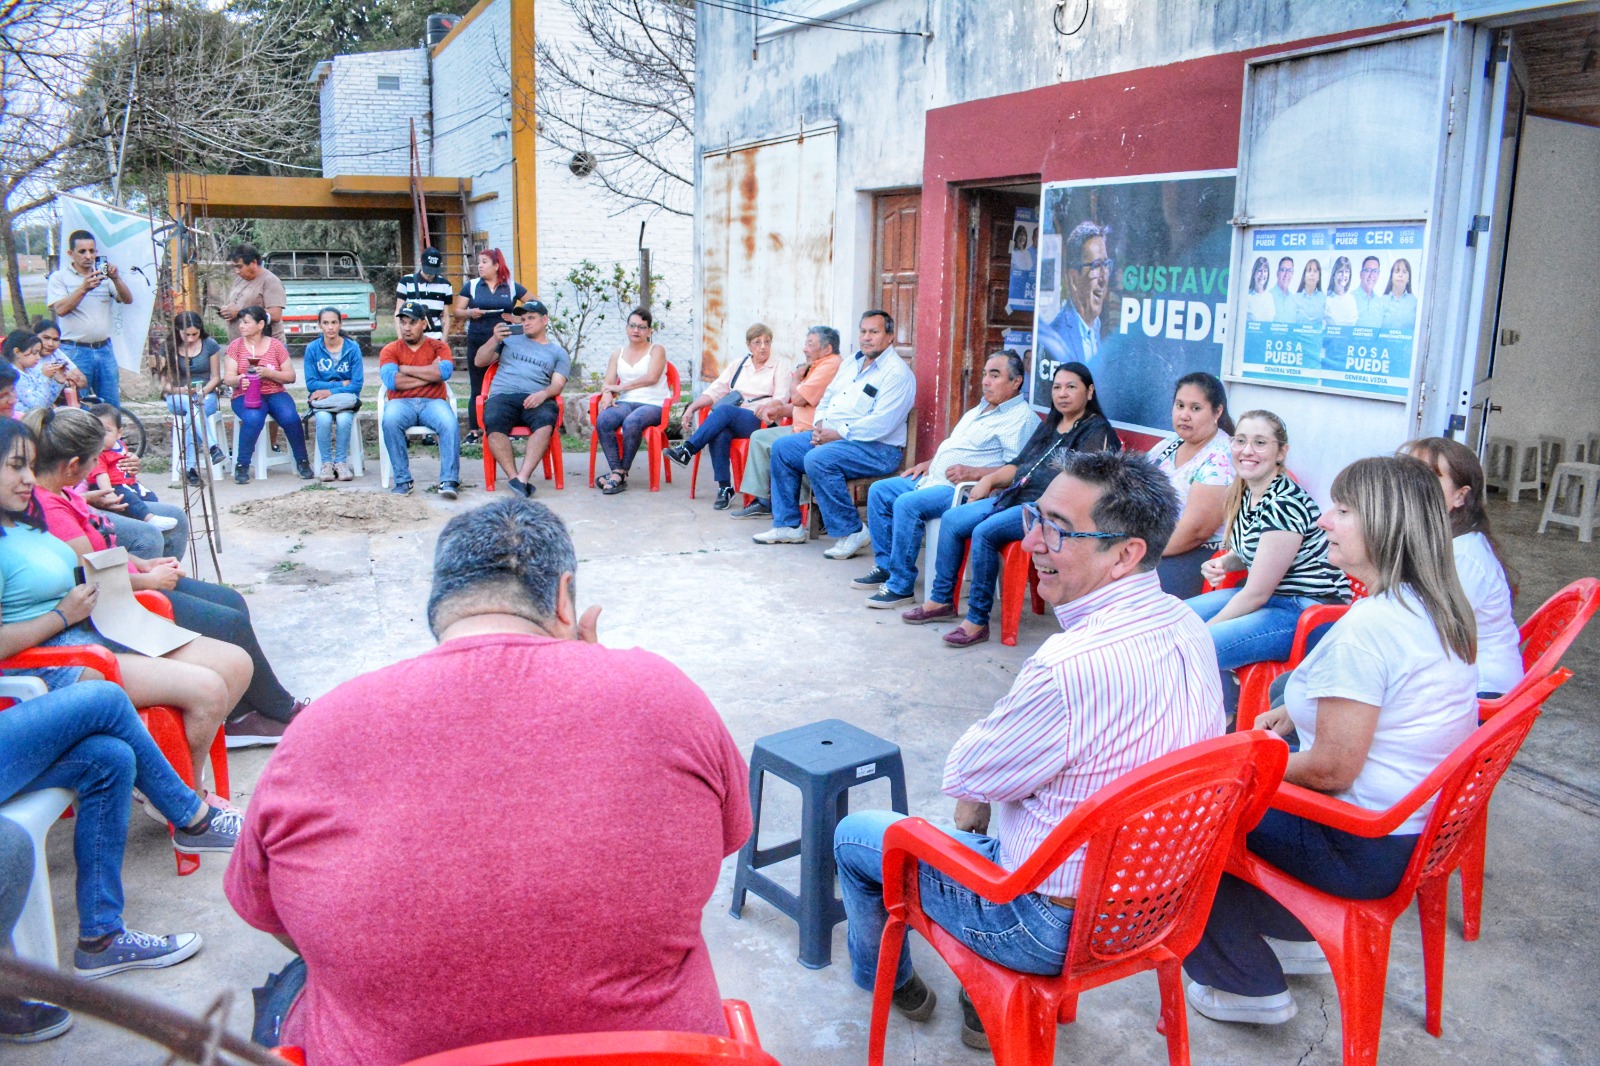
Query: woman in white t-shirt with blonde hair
point(1382, 700)
point(1485, 577)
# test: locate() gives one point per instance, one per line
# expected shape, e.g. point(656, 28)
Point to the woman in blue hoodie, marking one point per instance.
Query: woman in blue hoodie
point(333, 380)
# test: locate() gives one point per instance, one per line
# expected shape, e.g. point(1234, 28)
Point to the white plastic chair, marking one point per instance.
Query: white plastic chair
point(218, 434)
point(358, 459)
point(930, 543)
point(35, 935)
point(264, 457)
point(385, 467)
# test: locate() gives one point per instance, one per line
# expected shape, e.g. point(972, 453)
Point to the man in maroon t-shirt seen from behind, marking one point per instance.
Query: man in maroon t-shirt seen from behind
point(511, 835)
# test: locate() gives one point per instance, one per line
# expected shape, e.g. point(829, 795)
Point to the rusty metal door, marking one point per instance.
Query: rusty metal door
point(896, 230)
point(766, 244)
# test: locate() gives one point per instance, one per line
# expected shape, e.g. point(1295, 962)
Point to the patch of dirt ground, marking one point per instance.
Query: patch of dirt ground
point(334, 512)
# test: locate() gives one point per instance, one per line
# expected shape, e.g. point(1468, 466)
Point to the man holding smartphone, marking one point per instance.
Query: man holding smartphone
point(81, 300)
point(532, 372)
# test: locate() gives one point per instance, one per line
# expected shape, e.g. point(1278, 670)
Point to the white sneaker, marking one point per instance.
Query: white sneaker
point(781, 535)
point(1299, 956)
point(1222, 1006)
point(850, 545)
point(162, 522)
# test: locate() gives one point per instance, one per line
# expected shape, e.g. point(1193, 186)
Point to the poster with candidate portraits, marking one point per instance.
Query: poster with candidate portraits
point(1133, 282)
point(1332, 308)
point(1024, 255)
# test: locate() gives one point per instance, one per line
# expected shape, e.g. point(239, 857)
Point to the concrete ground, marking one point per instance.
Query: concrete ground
point(777, 638)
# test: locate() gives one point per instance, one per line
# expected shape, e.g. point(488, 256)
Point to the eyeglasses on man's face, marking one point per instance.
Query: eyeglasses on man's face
point(1053, 535)
point(1105, 264)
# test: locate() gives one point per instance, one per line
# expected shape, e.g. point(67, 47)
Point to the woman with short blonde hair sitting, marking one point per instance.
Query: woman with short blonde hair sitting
point(1386, 696)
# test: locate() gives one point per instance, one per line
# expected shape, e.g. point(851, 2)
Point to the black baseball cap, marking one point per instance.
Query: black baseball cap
point(432, 259)
point(533, 307)
point(414, 309)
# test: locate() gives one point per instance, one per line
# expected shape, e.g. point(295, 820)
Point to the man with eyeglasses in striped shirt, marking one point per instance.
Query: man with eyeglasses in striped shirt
point(1128, 680)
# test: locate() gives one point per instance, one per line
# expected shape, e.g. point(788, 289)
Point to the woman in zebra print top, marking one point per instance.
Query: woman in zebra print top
point(1273, 537)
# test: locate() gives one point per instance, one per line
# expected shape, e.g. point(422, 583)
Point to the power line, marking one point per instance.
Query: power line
point(801, 20)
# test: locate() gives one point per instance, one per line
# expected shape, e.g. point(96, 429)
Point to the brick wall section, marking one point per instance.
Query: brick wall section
point(471, 85)
point(364, 128)
point(578, 220)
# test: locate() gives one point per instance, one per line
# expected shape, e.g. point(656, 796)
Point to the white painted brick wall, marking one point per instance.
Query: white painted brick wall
point(578, 220)
point(365, 130)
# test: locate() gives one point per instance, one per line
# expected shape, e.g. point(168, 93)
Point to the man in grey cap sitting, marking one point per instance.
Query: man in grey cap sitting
point(531, 371)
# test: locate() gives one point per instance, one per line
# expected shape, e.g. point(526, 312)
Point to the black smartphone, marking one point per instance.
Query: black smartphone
point(100, 264)
point(78, 576)
point(870, 390)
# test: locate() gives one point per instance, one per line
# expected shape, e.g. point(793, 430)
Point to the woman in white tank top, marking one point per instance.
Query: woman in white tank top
point(631, 396)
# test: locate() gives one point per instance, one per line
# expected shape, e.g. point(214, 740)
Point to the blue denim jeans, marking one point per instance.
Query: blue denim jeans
point(440, 417)
point(1264, 635)
point(331, 452)
point(16, 875)
point(86, 737)
point(725, 424)
point(179, 406)
point(99, 365)
point(897, 515)
point(1029, 934)
point(829, 470)
point(989, 533)
point(280, 405)
point(146, 541)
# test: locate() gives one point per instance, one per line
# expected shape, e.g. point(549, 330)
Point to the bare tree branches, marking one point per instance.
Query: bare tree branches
point(626, 97)
point(214, 93)
point(40, 66)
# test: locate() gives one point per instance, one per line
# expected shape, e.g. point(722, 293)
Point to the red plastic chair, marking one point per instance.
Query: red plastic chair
point(655, 438)
point(1157, 839)
point(165, 723)
point(607, 1049)
point(1255, 679)
point(554, 468)
point(1017, 578)
point(738, 452)
point(1354, 934)
point(1546, 636)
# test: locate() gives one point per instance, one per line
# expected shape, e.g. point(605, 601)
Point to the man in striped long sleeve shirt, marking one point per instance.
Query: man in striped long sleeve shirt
point(1131, 678)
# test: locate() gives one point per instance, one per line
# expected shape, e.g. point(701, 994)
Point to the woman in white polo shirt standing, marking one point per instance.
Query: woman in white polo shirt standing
point(1382, 700)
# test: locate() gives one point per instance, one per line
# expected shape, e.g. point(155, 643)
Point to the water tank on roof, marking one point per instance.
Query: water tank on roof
point(439, 27)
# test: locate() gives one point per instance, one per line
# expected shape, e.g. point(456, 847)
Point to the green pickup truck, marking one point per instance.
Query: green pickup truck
point(313, 280)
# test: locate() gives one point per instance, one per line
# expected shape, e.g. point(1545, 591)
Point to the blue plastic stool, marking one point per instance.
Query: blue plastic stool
point(824, 760)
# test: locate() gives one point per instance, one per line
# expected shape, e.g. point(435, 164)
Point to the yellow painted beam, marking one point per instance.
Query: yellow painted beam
point(461, 23)
point(346, 196)
point(525, 217)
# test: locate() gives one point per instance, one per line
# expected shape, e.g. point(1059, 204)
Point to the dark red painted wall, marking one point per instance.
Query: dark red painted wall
point(1157, 120)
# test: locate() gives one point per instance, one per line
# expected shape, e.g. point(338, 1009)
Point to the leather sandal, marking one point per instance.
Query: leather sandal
point(960, 638)
point(612, 484)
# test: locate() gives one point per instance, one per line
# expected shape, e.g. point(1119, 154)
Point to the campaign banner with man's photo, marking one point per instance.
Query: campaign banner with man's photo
point(1133, 283)
point(1019, 342)
point(1024, 252)
point(1332, 308)
point(123, 238)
